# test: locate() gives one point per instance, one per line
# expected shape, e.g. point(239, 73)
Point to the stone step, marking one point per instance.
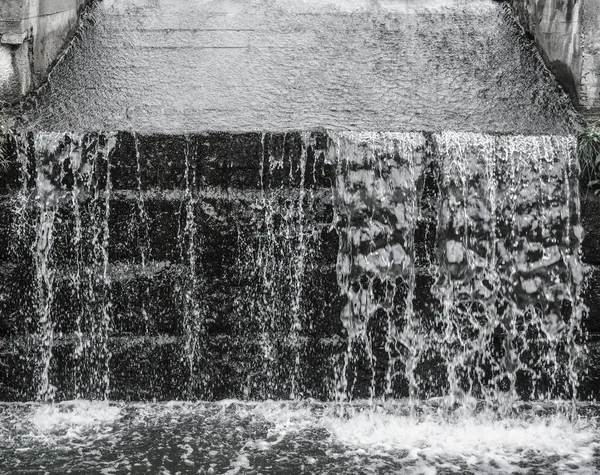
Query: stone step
point(160, 162)
point(156, 367)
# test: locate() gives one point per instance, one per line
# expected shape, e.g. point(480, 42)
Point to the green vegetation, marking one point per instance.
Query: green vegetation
point(589, 156)
point(6, 140)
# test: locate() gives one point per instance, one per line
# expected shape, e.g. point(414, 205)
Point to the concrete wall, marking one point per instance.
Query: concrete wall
point(590, 68)
point(32, 35)
point(567, 33)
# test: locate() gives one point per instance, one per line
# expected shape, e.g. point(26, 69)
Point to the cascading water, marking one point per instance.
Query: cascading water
point(193, 313)
point(72, 185)
point(410, 299)
point(377, 208)
point(274, 257)
point(489, 310)
point(143, 227)
point(362, 268)
point(507, 270)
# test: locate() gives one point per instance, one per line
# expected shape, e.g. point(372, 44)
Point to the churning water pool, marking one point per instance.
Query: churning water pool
point(308, 437)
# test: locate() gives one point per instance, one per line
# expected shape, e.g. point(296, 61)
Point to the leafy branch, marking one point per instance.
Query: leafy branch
point(589, 156)
point(6, 141)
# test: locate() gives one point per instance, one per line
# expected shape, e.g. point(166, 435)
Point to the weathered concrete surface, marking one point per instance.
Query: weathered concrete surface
point(32, 35)
point(590, 69)
point(183, 66)
point(567, 34)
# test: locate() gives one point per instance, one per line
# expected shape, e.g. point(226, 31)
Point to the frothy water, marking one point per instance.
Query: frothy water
point(293, 437)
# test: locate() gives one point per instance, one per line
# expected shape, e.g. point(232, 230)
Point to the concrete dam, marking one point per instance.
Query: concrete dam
point(309, 210)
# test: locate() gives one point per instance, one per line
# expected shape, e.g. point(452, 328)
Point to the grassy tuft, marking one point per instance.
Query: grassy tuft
point(6, 140)
point(589, 157)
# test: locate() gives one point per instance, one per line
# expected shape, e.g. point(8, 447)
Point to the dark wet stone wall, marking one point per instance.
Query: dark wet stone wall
point(149, 252)
point(213, 215)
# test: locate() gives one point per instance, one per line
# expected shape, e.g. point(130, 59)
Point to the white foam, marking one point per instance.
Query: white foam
point(482, 441)
point(423, 444)
point(369, 436)
point(73, 414)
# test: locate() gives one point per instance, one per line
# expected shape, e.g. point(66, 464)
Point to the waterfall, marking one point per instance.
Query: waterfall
point(377, 209)
point(509, 271)
point(273, 254)
point(72, 185)
point(47, 201)
point(143, 238)
point(193, 312)
point(506, 312)
point(354, 264)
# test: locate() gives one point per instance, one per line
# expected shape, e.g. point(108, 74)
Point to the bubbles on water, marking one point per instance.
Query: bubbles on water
point(74, 415)
point(296, 437)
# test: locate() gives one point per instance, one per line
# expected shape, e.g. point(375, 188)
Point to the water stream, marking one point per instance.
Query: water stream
point(451, 299)
point(503, 313)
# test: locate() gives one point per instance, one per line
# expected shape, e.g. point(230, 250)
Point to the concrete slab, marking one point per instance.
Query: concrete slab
point(568, 37)
point(177, 66)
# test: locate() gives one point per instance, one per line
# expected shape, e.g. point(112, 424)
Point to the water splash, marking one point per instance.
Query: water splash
point(298, 437)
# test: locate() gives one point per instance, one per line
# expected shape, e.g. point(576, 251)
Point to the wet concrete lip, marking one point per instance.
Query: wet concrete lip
point(167, 67)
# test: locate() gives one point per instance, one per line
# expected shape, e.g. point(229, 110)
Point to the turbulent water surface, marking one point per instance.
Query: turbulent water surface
point(295, 437)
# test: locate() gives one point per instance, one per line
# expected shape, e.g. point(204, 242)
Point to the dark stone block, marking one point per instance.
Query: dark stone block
point(17, 299)
point(589, 369)
point(16, 372)
point(591, 297)
point(229, 160)
point(163, 161)
point(123, 163)
point(590, 219)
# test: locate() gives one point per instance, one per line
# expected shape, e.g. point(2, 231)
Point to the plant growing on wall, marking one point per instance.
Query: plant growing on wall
point(589, 156)
point(6, 139)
